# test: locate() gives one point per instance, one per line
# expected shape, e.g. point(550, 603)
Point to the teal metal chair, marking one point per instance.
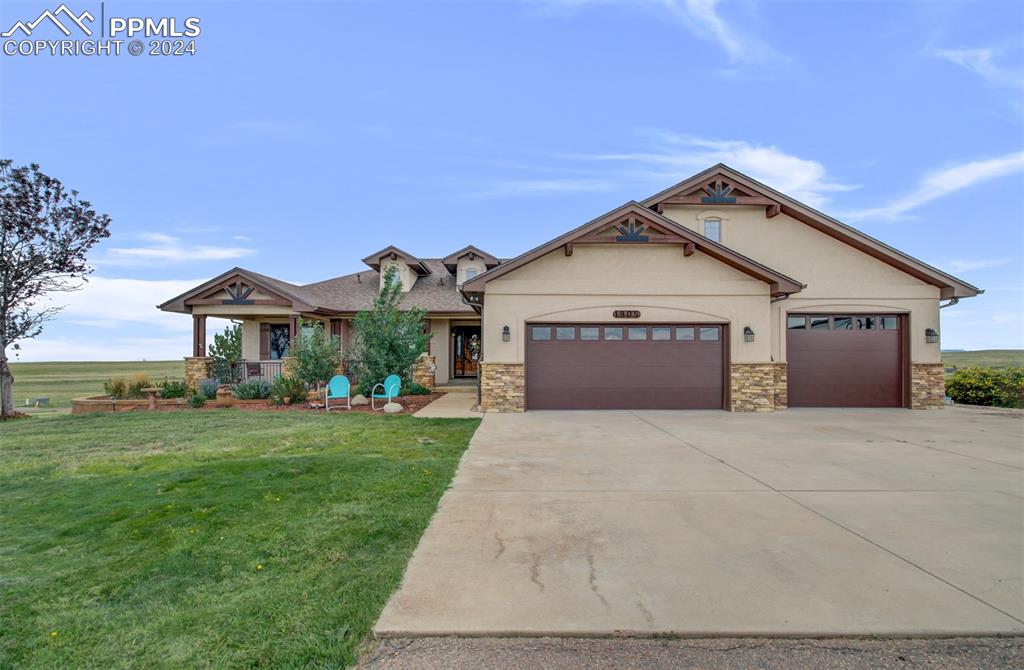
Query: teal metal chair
point(391, 386)
point(337, 389)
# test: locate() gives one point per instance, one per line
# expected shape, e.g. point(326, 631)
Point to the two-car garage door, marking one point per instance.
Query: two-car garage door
point(620, 366)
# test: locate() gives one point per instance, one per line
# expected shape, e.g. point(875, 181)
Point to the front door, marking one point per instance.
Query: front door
point(465, 350)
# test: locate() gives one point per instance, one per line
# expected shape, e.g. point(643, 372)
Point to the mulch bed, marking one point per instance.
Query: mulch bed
point(410, 403)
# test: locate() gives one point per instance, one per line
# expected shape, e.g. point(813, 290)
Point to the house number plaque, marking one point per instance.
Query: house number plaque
point(626, 314)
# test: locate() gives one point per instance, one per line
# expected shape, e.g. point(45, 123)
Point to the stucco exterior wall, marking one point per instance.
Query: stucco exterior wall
point(440, 330)
point(658, 280)
point(466, 264)
point(838, 277)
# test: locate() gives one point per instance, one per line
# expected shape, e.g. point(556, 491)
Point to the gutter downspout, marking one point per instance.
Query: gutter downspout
point(952, 301)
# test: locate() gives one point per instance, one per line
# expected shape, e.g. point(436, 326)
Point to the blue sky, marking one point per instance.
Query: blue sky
point(302, 137)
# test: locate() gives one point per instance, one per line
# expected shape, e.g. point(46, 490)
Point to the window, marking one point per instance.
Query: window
point(637, 333)
point(819, 323)
point(713, 229)
point(796, 322)
point(889, 322)
point(613, 333)
point(709, 334)
point(589, 332)
point(661, 334)
point(470, 273)
point(865, 322)
point(565, 333)
point(842, 323)
point(684, 334)
point(540, 333)
point(279, 336)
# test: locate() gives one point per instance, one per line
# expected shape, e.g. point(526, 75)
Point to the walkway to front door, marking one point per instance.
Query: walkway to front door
point(465, 350)
point(803, 522)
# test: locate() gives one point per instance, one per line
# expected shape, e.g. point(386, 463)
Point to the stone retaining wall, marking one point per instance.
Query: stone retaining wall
point(502, 387)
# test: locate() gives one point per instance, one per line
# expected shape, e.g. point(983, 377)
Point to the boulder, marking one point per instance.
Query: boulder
point(359, 400)
point(392, 408)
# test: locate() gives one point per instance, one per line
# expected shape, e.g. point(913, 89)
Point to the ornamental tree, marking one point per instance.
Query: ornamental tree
point(388, 340)
point(316, 355)
point(45, 234)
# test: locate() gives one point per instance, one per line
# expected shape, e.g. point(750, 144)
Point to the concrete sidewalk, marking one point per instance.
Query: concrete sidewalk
point(804, 522)
point(451, 406)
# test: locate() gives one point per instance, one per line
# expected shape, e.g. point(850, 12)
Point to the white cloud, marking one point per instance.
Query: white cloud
point(169, 249)
point(982, 62)
point(939, 183)
point(702, 19)
point(965, 265)
point(677, 156)
point(106, 302)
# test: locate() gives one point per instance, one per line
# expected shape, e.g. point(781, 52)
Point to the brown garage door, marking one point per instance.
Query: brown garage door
point(620, 366)
point(844, 360)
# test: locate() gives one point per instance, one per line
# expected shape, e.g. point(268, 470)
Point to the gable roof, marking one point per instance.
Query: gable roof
point(393, 252)
point(776, 202)
point(451, 261)
point(434, 291)
point(780, 283)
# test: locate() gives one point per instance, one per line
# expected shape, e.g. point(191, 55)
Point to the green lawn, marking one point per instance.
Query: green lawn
point(999, 358)
point(61, 382)
point(210, 539)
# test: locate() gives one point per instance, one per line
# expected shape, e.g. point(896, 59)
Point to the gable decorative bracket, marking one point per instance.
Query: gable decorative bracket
point(718, 194)
point(631, 231)
point(238, 294)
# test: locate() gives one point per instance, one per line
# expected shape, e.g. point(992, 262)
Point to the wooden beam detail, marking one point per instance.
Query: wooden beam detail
point(696, 198)
point(219, 301)
point(568, 249)
point(689, 248)
point(773, 210)
point(610, 239)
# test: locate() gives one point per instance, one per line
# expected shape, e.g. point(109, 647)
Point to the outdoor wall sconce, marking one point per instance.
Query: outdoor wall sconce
point(748, 334)
point(930, 336)
point(506, 334)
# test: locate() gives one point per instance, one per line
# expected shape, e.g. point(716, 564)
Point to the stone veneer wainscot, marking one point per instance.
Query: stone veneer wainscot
point(927, 385)
point(502, 387)
point(757, 387)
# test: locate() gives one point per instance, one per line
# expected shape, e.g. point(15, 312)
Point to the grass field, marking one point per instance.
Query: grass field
point(217, 539)
point(997, 358)
point(61, 382)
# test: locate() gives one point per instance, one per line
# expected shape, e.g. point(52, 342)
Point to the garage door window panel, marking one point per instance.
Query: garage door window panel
point(796, 322)
point(661, 334)
point(590, 333)
point(540, 333)
point(637, 332)
point(565, 333)
point(709, 334)
point(685, 334)
point(614, 333)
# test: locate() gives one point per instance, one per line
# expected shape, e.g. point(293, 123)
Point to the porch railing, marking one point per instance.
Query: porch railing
point(232, 373)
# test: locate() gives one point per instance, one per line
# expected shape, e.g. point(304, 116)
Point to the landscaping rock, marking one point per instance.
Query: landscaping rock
point(392, 408)
point(359, 400)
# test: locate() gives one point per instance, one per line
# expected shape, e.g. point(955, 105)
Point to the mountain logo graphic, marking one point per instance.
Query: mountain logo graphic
point(53, 16)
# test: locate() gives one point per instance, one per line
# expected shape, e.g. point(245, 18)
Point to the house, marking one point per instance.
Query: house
point(718, 292)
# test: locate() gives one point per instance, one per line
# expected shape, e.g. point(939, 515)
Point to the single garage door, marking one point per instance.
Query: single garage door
point(619, 366)
point(844, 360)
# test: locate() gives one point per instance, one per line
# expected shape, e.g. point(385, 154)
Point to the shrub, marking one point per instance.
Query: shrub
point(388, 340)
point(124, 388)
point(994, 387)
point(316, 355)
point(171, 388)
point(412, 388)
point(289, 387)
point(252, 389)
point(208, 388)
point(196, 400)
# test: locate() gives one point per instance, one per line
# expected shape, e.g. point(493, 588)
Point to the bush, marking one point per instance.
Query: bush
point(292, 388)
point(172, 389)
point(208, 388)
point(252, 389)
point(196, 400)
point(124, 388)
point(993, 387)
point(412, 388)
point(316, 355)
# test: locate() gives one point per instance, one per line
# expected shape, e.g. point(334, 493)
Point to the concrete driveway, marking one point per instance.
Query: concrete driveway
point(803, 522)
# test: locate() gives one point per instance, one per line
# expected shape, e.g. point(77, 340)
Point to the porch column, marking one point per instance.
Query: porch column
point(293, 326)
point(199, 335)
